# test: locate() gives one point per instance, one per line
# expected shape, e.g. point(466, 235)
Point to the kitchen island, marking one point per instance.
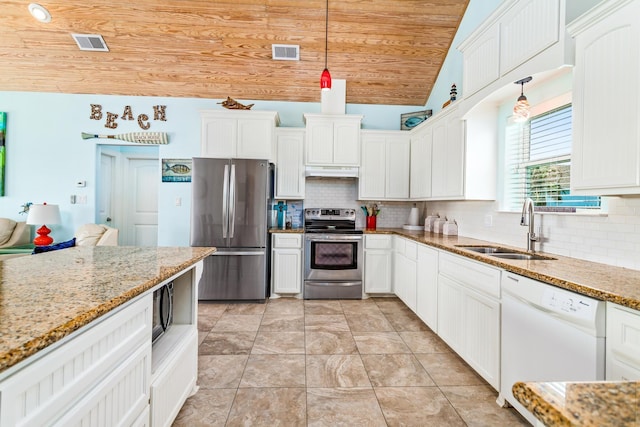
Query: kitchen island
point(71, 319)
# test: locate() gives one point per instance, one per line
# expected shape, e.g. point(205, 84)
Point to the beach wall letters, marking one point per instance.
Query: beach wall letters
point(159, 114)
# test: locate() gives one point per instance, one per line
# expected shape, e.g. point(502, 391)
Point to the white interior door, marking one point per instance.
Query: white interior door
point(141, 201)
point(107, 174)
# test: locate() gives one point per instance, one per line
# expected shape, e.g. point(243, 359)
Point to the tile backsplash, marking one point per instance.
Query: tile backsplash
point(343, 193)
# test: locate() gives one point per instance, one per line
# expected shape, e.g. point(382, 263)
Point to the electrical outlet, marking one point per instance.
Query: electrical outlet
point(178, 201)
point(488, 220)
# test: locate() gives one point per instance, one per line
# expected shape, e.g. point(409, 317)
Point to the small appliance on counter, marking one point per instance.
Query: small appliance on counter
point(413, 220)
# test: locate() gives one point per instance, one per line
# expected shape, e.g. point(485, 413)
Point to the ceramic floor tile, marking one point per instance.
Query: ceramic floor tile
point(343, 407)
point(227, 343)
point(207, 408)
point(336, 371)
point(325, 322)
point(417, 406)
point(424, 342)
point(323, 307)
point(269, 407)
point(207, 321)
point(391, 305)
point(359, 306)
point(238, 323)
point(395, 370)
point(220, 371)
point(448, 369)
point(244, 308)
point(364, 322)
point(274, 370)
point(278, 343)
point(477, 406)
point(211, 309)
point(201, 336)
point(285, 306)
point(328, 342)
point(406, 321)
point(282, 322)
point(380, 343)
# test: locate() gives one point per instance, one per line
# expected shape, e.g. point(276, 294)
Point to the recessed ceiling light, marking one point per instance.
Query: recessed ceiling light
point(39, 12)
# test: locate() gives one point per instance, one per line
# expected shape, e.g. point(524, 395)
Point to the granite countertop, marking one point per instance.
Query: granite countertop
point(286, 230)
point(603, 403)
point(46, 297)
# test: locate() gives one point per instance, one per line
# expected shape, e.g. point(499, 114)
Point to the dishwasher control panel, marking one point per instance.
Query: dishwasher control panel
point(570, 304)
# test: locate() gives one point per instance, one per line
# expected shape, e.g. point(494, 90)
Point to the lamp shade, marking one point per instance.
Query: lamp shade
point(325, 80)
point(43, 214)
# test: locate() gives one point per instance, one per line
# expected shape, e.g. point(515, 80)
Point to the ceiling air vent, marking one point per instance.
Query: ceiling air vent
point(285, 52)
point(90, 42)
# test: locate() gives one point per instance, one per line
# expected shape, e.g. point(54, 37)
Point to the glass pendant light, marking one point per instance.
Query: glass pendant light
point(325, 78)
point(522, 109)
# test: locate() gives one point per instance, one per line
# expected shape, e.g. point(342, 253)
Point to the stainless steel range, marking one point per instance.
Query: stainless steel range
point(333, 256)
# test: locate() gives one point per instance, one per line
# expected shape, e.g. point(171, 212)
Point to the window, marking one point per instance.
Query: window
point(538, 161)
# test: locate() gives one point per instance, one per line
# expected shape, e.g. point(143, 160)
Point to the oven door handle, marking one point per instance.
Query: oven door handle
point(333, 238)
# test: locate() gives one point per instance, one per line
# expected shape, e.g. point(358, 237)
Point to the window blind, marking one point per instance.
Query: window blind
point(538, 161)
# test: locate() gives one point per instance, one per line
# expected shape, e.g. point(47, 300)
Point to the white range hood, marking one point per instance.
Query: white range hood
point(332, 171)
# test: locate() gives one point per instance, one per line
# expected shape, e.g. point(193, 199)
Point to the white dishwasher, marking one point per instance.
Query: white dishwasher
point(548, 334)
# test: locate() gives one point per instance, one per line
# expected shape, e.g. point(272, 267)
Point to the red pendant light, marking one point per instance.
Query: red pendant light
point(325, 78)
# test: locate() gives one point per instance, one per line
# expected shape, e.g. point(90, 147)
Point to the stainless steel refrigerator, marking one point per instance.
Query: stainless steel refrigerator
point(230, 203)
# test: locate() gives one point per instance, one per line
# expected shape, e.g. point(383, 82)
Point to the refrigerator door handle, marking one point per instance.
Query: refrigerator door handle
point(225, 202)
point(234, 253)
point(232, 201)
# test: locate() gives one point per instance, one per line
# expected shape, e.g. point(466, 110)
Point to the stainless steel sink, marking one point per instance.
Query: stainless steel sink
point(505, 253)
point(522, 256)
point(486, 249)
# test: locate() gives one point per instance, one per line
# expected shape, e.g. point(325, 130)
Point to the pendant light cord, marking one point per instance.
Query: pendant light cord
point(326, 35)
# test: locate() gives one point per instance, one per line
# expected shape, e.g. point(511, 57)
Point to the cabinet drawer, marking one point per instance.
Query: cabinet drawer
point(470, 273)
point(287, 240)
point(376, 241)
point(623, 334)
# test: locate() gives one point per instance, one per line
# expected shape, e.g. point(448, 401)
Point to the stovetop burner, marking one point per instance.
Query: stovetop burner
point(318, 220)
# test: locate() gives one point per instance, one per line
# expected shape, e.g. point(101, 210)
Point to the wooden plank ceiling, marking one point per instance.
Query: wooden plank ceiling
point(388, 51)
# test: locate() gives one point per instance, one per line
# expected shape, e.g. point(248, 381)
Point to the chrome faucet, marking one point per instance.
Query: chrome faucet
point(529, 211)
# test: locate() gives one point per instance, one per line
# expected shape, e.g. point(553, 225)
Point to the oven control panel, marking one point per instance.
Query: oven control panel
point(330, 214)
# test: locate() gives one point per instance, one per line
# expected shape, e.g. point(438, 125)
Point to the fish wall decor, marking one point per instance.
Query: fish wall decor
point(232, 104)
point(139, 137)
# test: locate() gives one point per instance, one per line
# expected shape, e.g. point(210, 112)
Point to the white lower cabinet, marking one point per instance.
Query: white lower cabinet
point(469, 313)
point(286, 272)
point(378, 263)
point(404, 271)
point(427, 286)
point(622, 344)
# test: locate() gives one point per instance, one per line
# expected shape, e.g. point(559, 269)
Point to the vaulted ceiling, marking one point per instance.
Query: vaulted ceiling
point(388, 51)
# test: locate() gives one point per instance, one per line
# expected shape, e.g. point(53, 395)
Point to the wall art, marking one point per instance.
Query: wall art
point(176, 170)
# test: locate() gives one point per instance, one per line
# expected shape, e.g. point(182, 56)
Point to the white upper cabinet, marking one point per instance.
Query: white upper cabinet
point(290, 178)
point(420, 170)
point(384, 170)
point(238, 133)
point(447, 169)
point(332, 140)
point(521, 38)
point(606, 100)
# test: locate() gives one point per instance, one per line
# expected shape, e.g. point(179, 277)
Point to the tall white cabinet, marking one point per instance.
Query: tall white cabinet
point(332, 140)
point(241, 134)
point(290, 174)
point(384, 170)
point(606, 100)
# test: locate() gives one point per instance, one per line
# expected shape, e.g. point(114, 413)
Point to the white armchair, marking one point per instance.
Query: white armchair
point(96, 235)
point(13, 233)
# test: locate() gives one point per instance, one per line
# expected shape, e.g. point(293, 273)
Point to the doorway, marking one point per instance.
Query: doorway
point(127, 192)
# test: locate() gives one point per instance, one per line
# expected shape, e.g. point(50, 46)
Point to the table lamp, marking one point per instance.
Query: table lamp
point(43, 214)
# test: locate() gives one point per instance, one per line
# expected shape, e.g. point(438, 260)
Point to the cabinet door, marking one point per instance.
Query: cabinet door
point(450, 301)
point(319, 142)
point(290, 177)
point(377, 271)
point(287, 271)
point(448, 158)
point(623, 343)
point(480, 63)
point(420, 179)
point(397, 167)
point(482, 336)
point(254, 139)
point(346, 142)
point(607, 56)
point(373, 169)
point(427, 286)
point(219, 137)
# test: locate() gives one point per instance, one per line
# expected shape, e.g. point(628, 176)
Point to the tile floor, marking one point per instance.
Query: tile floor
point(332, 363)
